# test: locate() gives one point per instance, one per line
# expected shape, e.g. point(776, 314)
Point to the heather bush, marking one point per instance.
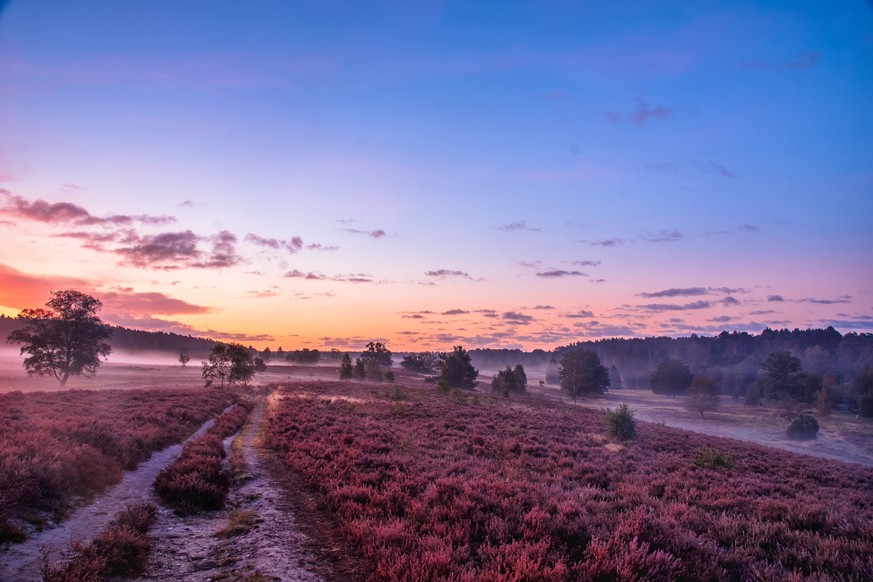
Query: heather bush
point(804, 427)
point(198, 480)
point(712, 459)
point(621, 423)
point(444, 490)
point(120, 549)
point(51, 443)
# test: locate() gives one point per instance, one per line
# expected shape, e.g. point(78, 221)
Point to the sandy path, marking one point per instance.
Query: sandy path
point(21, 562)
point(187, 548)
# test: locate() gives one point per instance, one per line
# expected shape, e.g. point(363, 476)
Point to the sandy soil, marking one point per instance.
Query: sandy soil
point(21, 562)
point(279, 547)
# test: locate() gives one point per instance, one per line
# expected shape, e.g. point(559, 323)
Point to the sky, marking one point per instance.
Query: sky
point(435, 173)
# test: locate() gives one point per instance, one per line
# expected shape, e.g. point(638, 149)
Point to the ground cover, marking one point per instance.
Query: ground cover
point(480, 488)
point(198, 479)
point(60, 447)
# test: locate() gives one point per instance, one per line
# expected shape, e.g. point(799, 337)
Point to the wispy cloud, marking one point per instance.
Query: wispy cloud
point(662, 236)
point(518, 226)
point(455, 312)
point(516, 318)
point(581, 314)
point(800, 62)
point(605, 242)
point(378, 233)
point(558, 273)
point(315, 276)
point(586, 263)
point(676, 292)
point(715, 168)
point(447, 273)
point(67, 213)
point(659, 307)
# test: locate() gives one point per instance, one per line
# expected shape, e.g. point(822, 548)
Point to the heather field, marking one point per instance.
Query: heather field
point(57, 448)
point(473, 487)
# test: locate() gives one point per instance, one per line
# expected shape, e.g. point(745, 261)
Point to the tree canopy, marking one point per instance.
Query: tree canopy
point(671, 377)
point(782, 376)
point(582, 373)
point(65, 339)
point(510, 380)
point(456, 368)
point(229, 363)
point(377, 353)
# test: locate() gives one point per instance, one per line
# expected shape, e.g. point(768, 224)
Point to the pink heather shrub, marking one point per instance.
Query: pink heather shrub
point(533, 490)
point(57, 445)
point(121, 549)
point(197, 479)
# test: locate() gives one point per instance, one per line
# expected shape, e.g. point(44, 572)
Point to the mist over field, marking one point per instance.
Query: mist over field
point(344, 291)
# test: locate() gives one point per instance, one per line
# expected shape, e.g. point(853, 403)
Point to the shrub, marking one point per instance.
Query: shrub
point(198, 479)
point(120, 549)
point(621, 423)
point(804, 427)
point(389, 376)
point(713, 459)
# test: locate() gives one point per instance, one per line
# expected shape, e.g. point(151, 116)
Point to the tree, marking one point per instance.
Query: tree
point(520, 377)
point(184, 358)
point(229, 363)
point(614, 378)
point(346, 370)
point(217, 366)
point(65, 339)
point(267, 354)
point(359, 370)
point(423, 362)
point(582, 373)
point(671, 377)
point(456, 368)
point(621, 422)
point(377, 353)
point(782, 376)
point(242, 364)
point(260, 365)
point(702, 396)
point(509, 381)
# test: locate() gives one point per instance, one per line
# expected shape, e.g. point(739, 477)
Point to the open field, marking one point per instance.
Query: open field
point(482, 488)
point(59, 447)
point(408, 483)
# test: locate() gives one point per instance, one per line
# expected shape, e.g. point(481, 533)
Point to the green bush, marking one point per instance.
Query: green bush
point(712, 459)
point(621, 423)
point(804, 427)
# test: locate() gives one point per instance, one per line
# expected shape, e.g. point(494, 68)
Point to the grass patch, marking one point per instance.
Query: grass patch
point(239, 522)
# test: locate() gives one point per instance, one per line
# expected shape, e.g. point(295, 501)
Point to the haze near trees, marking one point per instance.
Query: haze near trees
point(582, 373)
point(65, 339)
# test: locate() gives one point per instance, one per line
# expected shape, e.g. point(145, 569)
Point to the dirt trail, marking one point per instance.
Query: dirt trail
point(188, 548)
point(21, 562)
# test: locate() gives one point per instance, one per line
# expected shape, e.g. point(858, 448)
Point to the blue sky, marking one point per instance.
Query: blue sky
point(640, 162)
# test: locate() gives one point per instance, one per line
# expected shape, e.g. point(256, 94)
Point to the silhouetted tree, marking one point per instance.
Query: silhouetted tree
point(267, 355)
point(702, 395)
point(184, 358)
point(377, 353)
point(614, 378)
point(346, 370)
point(228, 363)
point(509, 381)
point(671, 377)
point(65, 339)
point(782, 376)
point(260, 366)
point(359, 370)
point(456, 368)
point(582, 373)
point(422, 362)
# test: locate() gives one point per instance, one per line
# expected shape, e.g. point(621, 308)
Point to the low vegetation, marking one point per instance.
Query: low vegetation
point(442, 488)
point(51, 442)
point(622, 425)
point(804, 427)
point(198, 478)
point(120, 549)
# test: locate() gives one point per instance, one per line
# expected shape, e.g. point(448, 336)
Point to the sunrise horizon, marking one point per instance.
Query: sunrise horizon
point(433, 174)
